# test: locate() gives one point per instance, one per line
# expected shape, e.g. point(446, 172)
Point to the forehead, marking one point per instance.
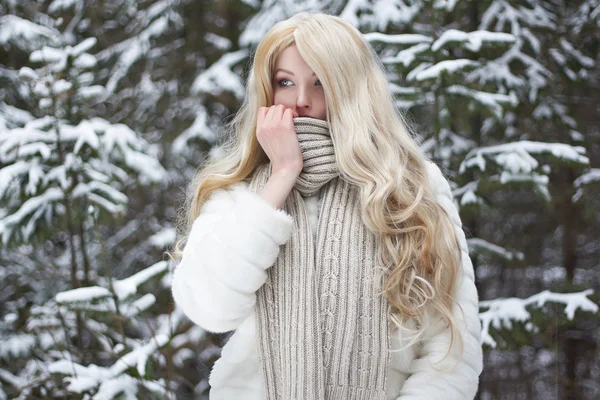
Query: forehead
point(289, 55)
point(290, 59)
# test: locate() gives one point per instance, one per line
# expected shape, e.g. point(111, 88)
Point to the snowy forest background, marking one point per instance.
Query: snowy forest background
point(108, 107)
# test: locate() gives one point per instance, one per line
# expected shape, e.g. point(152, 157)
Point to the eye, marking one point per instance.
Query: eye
point(281, 82)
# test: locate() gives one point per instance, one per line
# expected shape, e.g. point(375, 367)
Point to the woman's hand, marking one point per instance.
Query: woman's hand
point(277, 136)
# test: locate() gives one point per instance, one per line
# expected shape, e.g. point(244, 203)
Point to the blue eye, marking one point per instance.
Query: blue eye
point(281, 84)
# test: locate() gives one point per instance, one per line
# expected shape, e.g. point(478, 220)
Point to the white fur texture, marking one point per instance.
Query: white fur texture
point(237, 237)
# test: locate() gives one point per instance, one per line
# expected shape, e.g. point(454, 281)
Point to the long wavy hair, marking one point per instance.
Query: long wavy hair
point(374, 149)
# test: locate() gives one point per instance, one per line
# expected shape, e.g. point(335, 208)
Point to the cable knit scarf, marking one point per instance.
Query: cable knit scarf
point(322, 330)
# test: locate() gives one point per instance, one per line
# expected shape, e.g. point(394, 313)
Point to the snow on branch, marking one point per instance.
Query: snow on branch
point(593, 175)
point(128, 286)
point(123, 288)
point(434, 72)
point(403, 39)
point(471, 40)
point(82, 295)
point(82, 379)
point(493, 101)
point(221, 77)
point(502, 313)
point(198, 130)
point(515, 157)
point(407, 56)
point(478, 245)
point(25, 35)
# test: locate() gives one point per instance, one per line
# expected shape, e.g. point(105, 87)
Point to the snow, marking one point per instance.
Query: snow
point(123, 289)
point(55, 58)
point(82, 378)
point(82, 47)
point(198, 129)
point(561, 60)
point(579, 56)
point(86, 135)
point(386, 12)
point(11, 172)
point(111, 194)
point(12, 379)
point(35, 176)
point(61, 5)
point(447, 5)
point(91, 92)
point(515, 156)
point(590, 176)
point(471, 40)
point(85, 61)
point(16, 345)
point(470, 198)
point(27, 74)
point(82, 294)
point(61, 86)
point(407, 56)
point(517, 161)
point(41, 89)
point(220, 77)
point(495, 102)
point(434, 71)
point(130, 51)
point(140, 305)
point(164, 238)
point(123, 385)
point(271, 12)
point(219, 42)
point(403, 39)
point(30, 206)
point(11, 117)
point(478, 245)
point(532, 39)
point(497, 72)
point(503, 312)
point(148, 168)
point(127, 287)
point(25, 34)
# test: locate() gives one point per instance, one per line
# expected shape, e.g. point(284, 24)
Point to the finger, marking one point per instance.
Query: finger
point(287, 116)
point(270, 111)
point(262, 112)
point(278, 112)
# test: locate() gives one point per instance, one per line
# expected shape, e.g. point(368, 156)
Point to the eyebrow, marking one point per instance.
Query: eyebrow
point(289, 72)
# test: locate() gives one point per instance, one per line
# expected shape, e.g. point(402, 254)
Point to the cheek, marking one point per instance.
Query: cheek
point(322, 103)
point(280, 98)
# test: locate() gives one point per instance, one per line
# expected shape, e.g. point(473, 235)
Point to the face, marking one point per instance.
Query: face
point(296, 86)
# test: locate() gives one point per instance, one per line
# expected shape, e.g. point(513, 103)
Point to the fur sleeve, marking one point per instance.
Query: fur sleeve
point(235, 238)
point(460, 380)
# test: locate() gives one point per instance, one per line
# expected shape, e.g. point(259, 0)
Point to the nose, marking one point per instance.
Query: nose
point(303, 99)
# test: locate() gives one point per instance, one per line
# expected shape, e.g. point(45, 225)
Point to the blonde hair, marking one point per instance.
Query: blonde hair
point(374, 149)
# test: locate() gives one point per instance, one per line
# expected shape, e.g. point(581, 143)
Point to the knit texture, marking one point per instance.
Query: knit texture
point(323, 332)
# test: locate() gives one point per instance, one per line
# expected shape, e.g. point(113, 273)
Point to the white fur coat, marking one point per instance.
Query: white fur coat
point(237, 237)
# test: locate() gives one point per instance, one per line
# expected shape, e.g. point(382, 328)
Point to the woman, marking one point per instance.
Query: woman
point(326, 239)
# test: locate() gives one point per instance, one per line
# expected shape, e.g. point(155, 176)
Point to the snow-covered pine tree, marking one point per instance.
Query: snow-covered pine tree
point(64, 175)
point(57, 165)
point(557, 44)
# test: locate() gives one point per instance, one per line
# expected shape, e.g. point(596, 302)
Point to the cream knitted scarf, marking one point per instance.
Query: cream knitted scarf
point(322, 331)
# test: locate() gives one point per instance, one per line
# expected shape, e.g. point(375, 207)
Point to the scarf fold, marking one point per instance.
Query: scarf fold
point(322, 331)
